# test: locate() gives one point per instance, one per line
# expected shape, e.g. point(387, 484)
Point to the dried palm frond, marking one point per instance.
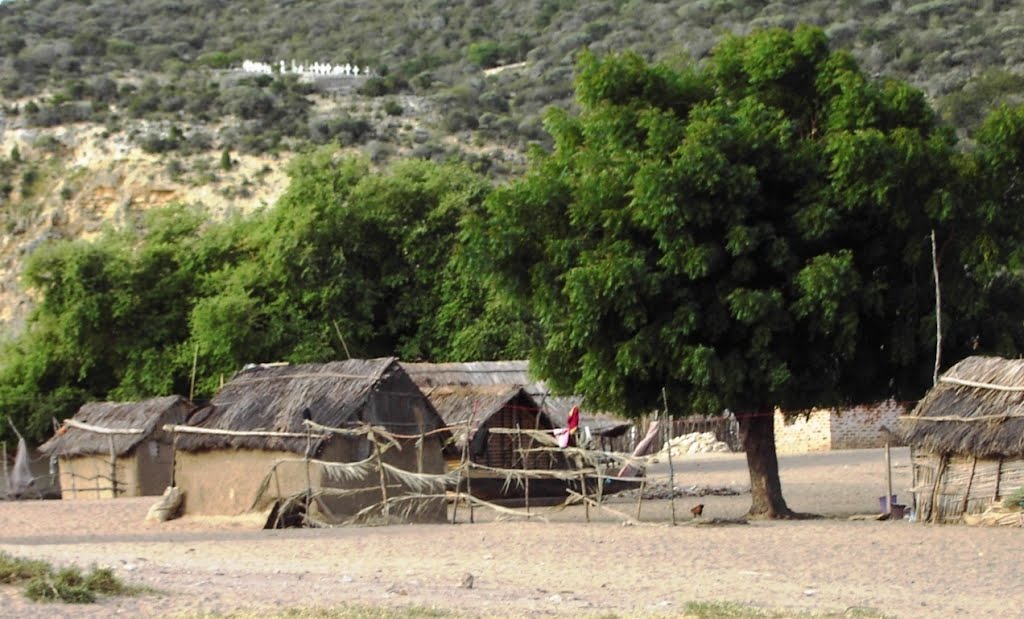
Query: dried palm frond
point(422, 482)
point(347, 471)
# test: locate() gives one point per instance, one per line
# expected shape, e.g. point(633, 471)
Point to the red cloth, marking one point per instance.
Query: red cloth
point(562, 434)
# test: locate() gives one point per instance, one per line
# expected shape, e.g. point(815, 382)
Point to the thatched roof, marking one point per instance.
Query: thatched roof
point(515, 373)
point(148, 415)
point(977, 408)
point(460, 404)
point(273, 398)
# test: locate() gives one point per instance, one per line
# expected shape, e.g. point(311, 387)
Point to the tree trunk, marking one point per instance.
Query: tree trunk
point(757, 431)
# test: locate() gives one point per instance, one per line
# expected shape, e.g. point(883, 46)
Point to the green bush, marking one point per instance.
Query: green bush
point(485, 54)
point(103, 580)
point(1015, 500)
point(383, 85)
point(15, 569)
point(67, 584)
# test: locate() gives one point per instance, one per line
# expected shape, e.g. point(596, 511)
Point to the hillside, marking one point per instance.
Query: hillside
point(111, 108)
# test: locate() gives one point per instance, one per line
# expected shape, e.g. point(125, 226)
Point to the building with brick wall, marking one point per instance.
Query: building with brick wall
point(825, 429)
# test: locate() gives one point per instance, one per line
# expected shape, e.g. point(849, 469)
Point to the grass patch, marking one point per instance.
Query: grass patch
point(15, 569)
point(69, 584)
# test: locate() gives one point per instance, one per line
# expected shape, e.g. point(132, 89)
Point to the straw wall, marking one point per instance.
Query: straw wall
point(966, 485)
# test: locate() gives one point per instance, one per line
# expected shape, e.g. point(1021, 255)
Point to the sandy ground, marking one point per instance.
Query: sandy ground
point(562, 566)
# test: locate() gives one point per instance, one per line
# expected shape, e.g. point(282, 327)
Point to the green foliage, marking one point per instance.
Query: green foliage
point(1015, 500)
point(485, 54)
point(15, 569)
point(69, 584)
point(347, 262)
point(112, 316)
point(379, 86)
point(225, 160)
point(966, 107)
point(751, 234)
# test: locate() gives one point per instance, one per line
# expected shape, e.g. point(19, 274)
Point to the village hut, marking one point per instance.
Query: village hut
point(258, 453)
point(495, 427)
point(967, 439)
point(116, 449)
point(606, 431)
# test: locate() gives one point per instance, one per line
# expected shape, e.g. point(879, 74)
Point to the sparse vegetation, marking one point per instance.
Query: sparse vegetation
point(69, 584)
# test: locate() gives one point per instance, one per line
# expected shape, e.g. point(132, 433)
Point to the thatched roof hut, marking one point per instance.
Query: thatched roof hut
point(274, 398)
point(492, 425)
point(143, 459)
point(472, 411)
point(517, 373)
point(221, 472)
point(470, 407)
point(147, 415)
point(967, 438)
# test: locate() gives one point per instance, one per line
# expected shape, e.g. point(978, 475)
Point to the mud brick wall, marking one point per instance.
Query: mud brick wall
point(857, 427)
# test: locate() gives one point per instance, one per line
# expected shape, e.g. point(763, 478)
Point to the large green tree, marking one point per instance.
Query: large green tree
point(748, 234)
point(111, 317)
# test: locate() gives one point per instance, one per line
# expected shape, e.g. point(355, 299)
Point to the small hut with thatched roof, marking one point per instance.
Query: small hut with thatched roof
point(601, 427)
point(967, 439)
point(133, 457)
point(477, 414)
point(260, 452)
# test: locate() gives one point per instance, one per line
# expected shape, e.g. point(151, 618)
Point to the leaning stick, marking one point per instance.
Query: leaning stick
point(671, 468)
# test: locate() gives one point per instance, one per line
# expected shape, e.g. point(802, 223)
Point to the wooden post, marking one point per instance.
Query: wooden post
point(938, 311)
point(72, 476)
point(174, 459)
point(277, 486)
point(463, 470)
point(192, 380)
point(309, 479)
point(469, 465)
point(419, 446)
point(671, 468)
point(888, 479)
point(939, 472)
point(999, 474)
point(7, 472)
point(113, 468)
point(583, 491)
point(526, 477)
point(380, 472)
point(970, 482)
point(640, 496)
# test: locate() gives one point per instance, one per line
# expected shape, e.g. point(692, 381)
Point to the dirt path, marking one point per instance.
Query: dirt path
point(562, 567)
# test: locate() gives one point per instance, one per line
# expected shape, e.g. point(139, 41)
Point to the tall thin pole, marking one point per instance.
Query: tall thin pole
point(888, 479)
point(192, 380)
point(938, 311)
point(7, 472)
point(671, 468)
point(113, 468)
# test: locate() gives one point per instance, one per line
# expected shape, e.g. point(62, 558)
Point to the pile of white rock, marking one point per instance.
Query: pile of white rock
point(694, 443)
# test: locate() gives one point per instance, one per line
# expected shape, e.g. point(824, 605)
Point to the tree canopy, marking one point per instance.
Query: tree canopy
point(349, 262)
point(748, 234)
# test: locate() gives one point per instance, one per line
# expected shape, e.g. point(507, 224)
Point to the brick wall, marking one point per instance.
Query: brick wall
point(857, 427)
point(803, 433)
